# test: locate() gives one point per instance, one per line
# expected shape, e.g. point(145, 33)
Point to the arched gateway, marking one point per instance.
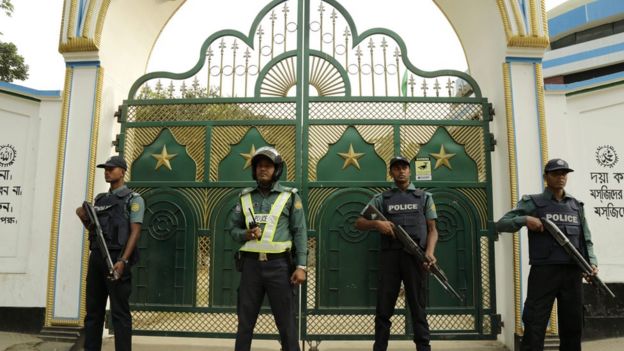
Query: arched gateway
point(338, 104)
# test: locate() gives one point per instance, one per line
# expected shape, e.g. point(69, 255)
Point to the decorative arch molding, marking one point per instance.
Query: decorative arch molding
point(525, 22)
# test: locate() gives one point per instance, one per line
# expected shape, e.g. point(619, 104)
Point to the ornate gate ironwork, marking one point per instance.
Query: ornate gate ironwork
point(337, 104)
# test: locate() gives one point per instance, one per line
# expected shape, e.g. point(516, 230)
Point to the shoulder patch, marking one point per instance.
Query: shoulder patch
point(298, 204)
point(135, 207)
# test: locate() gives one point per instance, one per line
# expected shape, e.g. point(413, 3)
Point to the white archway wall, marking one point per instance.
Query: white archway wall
point(106, 46)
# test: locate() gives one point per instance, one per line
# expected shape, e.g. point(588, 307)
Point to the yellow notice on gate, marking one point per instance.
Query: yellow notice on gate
point(423, 168)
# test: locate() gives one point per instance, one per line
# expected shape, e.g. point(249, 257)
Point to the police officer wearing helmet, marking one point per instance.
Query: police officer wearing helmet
point(414, 210)
point(120, 213)
point(266, 253)
point(553, 275)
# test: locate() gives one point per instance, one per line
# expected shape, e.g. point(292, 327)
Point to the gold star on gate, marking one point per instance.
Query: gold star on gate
point(351, 158)
point(442, 158)
point(163, 158)
point(248, 156)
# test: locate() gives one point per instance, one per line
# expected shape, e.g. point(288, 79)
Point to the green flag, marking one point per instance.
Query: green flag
point(404, 84)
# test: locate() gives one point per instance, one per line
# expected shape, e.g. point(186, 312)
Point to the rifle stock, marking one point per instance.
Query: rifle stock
point(413, 249)
point(563, 241)
point(101, 241)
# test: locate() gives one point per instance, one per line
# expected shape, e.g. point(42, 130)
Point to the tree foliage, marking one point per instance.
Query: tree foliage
point(7, 7)
point(12, 64)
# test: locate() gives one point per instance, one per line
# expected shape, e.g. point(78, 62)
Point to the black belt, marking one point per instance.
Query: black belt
point(261, 256)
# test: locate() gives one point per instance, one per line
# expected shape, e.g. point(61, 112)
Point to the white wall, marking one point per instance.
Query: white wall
point(31, 129)
point(578, 126)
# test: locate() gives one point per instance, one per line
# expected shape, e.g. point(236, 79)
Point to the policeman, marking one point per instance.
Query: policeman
point(553, 272)
point(120, 213)
point(414, 210)
point(269, 220)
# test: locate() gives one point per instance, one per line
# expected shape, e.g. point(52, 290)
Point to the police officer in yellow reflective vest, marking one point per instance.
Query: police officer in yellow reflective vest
point(270, 222)
point(553, 272)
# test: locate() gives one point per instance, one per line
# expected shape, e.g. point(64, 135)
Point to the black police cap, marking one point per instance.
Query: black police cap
point(399, 158)
point(557, 164)
point(115, 161)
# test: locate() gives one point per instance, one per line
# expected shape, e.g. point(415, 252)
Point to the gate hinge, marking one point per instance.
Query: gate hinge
point(497, 324)
point(116, 142)
point(118, 114)
point(491, 112)
point(491, 142)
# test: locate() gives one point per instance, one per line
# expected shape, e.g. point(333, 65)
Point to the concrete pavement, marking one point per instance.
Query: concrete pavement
point(25, 342)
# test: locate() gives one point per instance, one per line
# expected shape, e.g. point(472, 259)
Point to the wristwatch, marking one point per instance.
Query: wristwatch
point(121, 259)
point(305, 269)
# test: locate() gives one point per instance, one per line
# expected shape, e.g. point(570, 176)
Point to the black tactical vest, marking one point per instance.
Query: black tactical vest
point(406, 209)
point(543, 248)
point(114, 216)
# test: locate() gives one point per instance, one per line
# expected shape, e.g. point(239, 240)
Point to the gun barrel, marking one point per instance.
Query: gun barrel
point(413, 248)
point(101, 242)
point(563, 240)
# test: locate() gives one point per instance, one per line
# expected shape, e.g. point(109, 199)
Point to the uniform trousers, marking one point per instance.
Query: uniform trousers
point(396, 266)
point(547, 282)
point(273, 279)
point(99, 288)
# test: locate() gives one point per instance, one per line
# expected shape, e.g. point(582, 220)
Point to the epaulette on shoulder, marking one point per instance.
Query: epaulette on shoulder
point(246, 191)
point(289, 189)
point(134, 194)
point(526, 197)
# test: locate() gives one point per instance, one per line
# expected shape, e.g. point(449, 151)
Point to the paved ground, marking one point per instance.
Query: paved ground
point(24, 342)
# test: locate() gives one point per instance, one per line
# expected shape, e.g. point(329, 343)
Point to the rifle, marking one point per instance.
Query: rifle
point(413, 249)
point(563, 240)
point(101, 242)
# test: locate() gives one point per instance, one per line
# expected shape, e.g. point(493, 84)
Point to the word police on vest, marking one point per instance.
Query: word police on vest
point(261, 218)
point(558, 217)
point(402, 208)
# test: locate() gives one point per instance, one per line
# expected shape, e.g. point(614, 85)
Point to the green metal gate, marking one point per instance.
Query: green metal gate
point(338, 105)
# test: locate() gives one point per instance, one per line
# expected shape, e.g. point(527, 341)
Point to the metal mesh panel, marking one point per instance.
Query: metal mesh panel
point(196, 322)
point(485, 272)
point(451, 322)
point(349, 324)
point(487, 325)
point(311, 276)
point(203, 271)
point(211, 112)
point(395, 110)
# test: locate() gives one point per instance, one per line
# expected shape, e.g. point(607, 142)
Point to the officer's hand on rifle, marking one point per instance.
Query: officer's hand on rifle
point(431, 260)
point(118, 268)
point(84, 218)
point(385, 228)
point(254, 233)
point(588, 277)
point(534, 224)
